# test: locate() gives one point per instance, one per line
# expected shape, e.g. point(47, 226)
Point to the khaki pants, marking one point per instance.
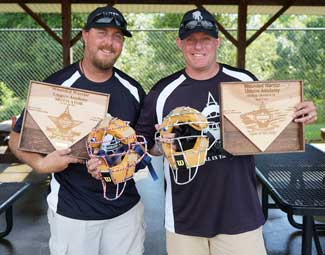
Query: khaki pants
point(248, 243)
point(123, 235)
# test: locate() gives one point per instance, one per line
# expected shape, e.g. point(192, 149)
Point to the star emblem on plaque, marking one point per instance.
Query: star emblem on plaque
point(64, 124)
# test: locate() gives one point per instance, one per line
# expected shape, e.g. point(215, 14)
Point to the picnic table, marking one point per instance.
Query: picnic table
point(9, 193)
point(296, 183)
point(6, 157)
point(5, 128)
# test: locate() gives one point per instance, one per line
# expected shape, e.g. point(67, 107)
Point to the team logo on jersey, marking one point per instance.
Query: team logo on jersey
point(212, 113)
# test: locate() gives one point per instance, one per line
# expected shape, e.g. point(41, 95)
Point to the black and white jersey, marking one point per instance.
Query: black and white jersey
point(73, 192)
point(222, 198)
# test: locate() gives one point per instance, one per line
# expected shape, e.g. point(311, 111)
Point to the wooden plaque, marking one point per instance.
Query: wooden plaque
point(58, 117)
point(256, 117)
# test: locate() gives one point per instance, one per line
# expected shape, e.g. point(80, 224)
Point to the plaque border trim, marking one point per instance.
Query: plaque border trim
point(300, 129)
point(31, 82)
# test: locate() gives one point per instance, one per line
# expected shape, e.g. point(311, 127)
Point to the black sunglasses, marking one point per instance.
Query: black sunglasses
point(206, 24)
point(108, 18)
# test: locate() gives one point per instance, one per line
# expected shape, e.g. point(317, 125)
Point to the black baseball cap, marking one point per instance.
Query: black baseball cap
point(198, 20)
point(107, 17)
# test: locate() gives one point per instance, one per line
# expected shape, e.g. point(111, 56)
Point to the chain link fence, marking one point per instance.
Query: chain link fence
point(286, 54)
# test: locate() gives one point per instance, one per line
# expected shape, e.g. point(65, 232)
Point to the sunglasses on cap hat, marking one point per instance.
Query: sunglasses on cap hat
point(108, 18)
point(208, 25)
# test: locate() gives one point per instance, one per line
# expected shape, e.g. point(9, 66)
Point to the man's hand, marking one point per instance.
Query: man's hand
point(92, 165)
point(156, 150)
point(56, 161)
point(53, 162)
point(305, 112)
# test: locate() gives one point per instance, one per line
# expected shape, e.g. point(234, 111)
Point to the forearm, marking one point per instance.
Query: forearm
point(30, 158)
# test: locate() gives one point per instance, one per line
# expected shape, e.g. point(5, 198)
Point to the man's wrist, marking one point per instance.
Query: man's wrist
point(38, 165)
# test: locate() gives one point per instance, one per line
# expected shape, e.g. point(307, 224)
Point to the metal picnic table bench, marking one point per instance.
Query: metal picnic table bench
point(9, 193)
point(296, 183)
point(6, 157)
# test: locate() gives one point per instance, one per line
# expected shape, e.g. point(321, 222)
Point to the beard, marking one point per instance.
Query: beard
point(105, 63)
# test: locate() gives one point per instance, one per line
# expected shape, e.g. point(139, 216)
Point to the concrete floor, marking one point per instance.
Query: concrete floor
point(30, 232)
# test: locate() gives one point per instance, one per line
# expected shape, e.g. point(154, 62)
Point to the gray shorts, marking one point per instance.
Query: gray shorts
point(123, 235)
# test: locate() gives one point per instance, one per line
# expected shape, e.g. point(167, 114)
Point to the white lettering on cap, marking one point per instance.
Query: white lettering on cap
point(110, 14)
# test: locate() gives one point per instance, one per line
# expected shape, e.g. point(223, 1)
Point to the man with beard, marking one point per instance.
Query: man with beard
point(81, 220)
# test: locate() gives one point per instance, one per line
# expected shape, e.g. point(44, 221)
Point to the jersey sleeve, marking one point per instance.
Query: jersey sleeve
point(148, 118)
point(19, 122)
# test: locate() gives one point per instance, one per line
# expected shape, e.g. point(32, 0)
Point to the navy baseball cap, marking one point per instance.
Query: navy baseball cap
point(107, 17)
point(198, 20)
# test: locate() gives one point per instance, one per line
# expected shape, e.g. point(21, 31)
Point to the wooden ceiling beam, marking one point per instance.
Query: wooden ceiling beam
point(76, 38)
point(267, 24)
point(40, 22)
point(171, 2)
point(223, 30)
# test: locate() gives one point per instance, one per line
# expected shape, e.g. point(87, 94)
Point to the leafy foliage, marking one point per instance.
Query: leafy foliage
point(53, 20)
point(9, 105)
point(301, 56)
point(152, 54)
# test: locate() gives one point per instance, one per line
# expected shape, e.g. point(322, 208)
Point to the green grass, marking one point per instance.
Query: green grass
point(312, 132)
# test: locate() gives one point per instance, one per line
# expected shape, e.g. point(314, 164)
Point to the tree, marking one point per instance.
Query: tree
point(302, 56)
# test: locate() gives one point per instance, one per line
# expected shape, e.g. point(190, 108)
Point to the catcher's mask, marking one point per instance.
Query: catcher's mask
point(119, 149)
point(188, 149)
